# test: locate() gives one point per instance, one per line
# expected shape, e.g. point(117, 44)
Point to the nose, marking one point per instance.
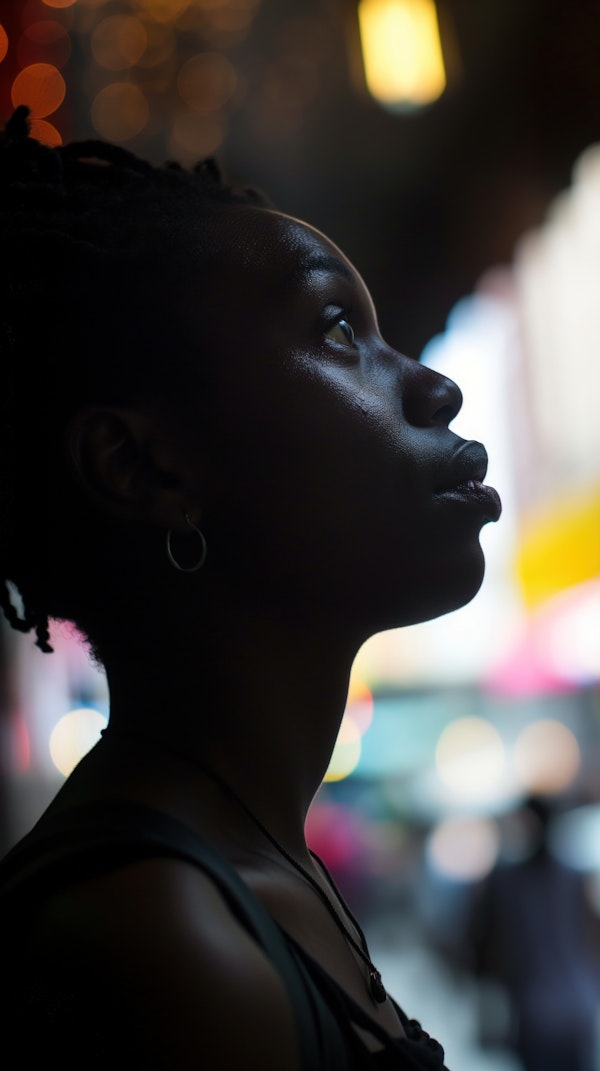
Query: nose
point(430, 398)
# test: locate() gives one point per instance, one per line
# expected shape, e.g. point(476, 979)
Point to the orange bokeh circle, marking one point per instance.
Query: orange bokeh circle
point(3, 42)
point(43, 131)
point(41, 87)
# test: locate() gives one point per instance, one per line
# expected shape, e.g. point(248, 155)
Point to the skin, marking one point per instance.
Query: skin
point(319, 474)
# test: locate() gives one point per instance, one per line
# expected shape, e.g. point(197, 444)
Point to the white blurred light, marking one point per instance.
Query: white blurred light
point(73, 736)
point(464, 849)
point(571, 636)
point(470, 757)
point(556, 270)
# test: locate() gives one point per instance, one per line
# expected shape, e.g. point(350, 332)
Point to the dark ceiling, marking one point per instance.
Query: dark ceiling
point(423, 203)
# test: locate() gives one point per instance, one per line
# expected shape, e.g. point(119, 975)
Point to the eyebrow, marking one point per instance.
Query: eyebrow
point(318, 262)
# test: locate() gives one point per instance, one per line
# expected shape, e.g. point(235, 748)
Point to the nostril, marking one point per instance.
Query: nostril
point(445, 414)
point(445, 400)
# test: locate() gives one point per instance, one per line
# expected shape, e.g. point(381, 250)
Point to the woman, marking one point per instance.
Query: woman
point(218, 470)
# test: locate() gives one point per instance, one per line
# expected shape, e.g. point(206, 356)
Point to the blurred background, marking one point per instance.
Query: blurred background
point(452, 150)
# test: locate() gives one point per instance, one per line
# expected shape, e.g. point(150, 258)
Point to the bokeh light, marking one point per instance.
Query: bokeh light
point(160, 45)
point(470, 757)
point(360, 704)
point(92, 4)
point(119, 111)
point(161, 10)
point(3, 42)
point(346, 753)
point(402, 52)
point(41, 87)
point(546, 756)
point(227, 24)
point(207, 81)
point(118, 42)
point(59, 4)
point(334, 833)
point(571, 633)
point(45, 132)
point(45, 38)
point(193, 137)
point(73, 736)
point(464, 848)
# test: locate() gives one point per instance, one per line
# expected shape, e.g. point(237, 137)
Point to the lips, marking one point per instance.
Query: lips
point(469, 462)
point(462, 479)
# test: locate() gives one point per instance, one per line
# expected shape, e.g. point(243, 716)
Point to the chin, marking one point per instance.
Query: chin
point(439, 590)
point(464, 584)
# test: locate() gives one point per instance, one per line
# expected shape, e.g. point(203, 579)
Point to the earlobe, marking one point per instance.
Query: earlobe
point(106, 450)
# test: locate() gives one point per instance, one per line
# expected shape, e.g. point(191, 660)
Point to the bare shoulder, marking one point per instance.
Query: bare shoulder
point(185, 973)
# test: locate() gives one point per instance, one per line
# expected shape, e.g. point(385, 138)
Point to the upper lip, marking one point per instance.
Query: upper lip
point(468, 462)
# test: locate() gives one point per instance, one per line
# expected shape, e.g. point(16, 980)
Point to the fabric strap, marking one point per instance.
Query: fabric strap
point(95, 838)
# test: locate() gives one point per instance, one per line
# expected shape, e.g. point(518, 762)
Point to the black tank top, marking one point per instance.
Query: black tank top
point(48, 1019)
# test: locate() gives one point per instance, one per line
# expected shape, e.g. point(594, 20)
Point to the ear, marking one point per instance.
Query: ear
point(117, 456)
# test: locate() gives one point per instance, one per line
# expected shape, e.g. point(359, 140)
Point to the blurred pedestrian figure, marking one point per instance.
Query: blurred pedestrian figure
point(531, 931)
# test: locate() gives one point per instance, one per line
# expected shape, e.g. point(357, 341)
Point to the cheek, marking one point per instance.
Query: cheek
point(320, 504)
point(314, 483)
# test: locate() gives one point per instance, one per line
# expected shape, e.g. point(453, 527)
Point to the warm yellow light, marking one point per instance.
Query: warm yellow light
point(346, 753)
point(558, 544)
point(41, 87)
point(45, 132)
point(118, 42)
point(119, 111)
point(402, 51)
point(207, 81)
point(59, 3)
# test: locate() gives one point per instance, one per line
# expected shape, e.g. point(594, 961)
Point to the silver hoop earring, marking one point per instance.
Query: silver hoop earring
point(202, 549)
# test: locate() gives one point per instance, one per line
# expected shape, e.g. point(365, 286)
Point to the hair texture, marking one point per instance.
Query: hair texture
point(86, 230)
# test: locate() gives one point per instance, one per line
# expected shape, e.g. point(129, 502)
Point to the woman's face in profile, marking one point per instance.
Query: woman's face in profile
point(330, 476)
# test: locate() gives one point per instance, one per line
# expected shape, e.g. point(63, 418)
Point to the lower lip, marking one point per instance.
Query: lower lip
point(479, 495)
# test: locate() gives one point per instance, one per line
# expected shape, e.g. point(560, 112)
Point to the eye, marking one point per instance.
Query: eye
point(341, 331)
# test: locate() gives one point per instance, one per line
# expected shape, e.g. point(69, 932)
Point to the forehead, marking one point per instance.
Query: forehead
point(270, 247)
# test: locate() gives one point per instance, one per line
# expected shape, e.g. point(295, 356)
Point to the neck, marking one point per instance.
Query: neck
point(259, 705)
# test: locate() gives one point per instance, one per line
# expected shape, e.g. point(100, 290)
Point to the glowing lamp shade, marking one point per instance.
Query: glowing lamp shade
point(402, 52)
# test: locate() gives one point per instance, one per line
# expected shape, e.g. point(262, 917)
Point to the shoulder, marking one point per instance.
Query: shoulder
point(190, 981)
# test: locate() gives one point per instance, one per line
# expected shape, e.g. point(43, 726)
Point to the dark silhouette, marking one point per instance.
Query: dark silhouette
point(532, 931)
point(214, 465)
